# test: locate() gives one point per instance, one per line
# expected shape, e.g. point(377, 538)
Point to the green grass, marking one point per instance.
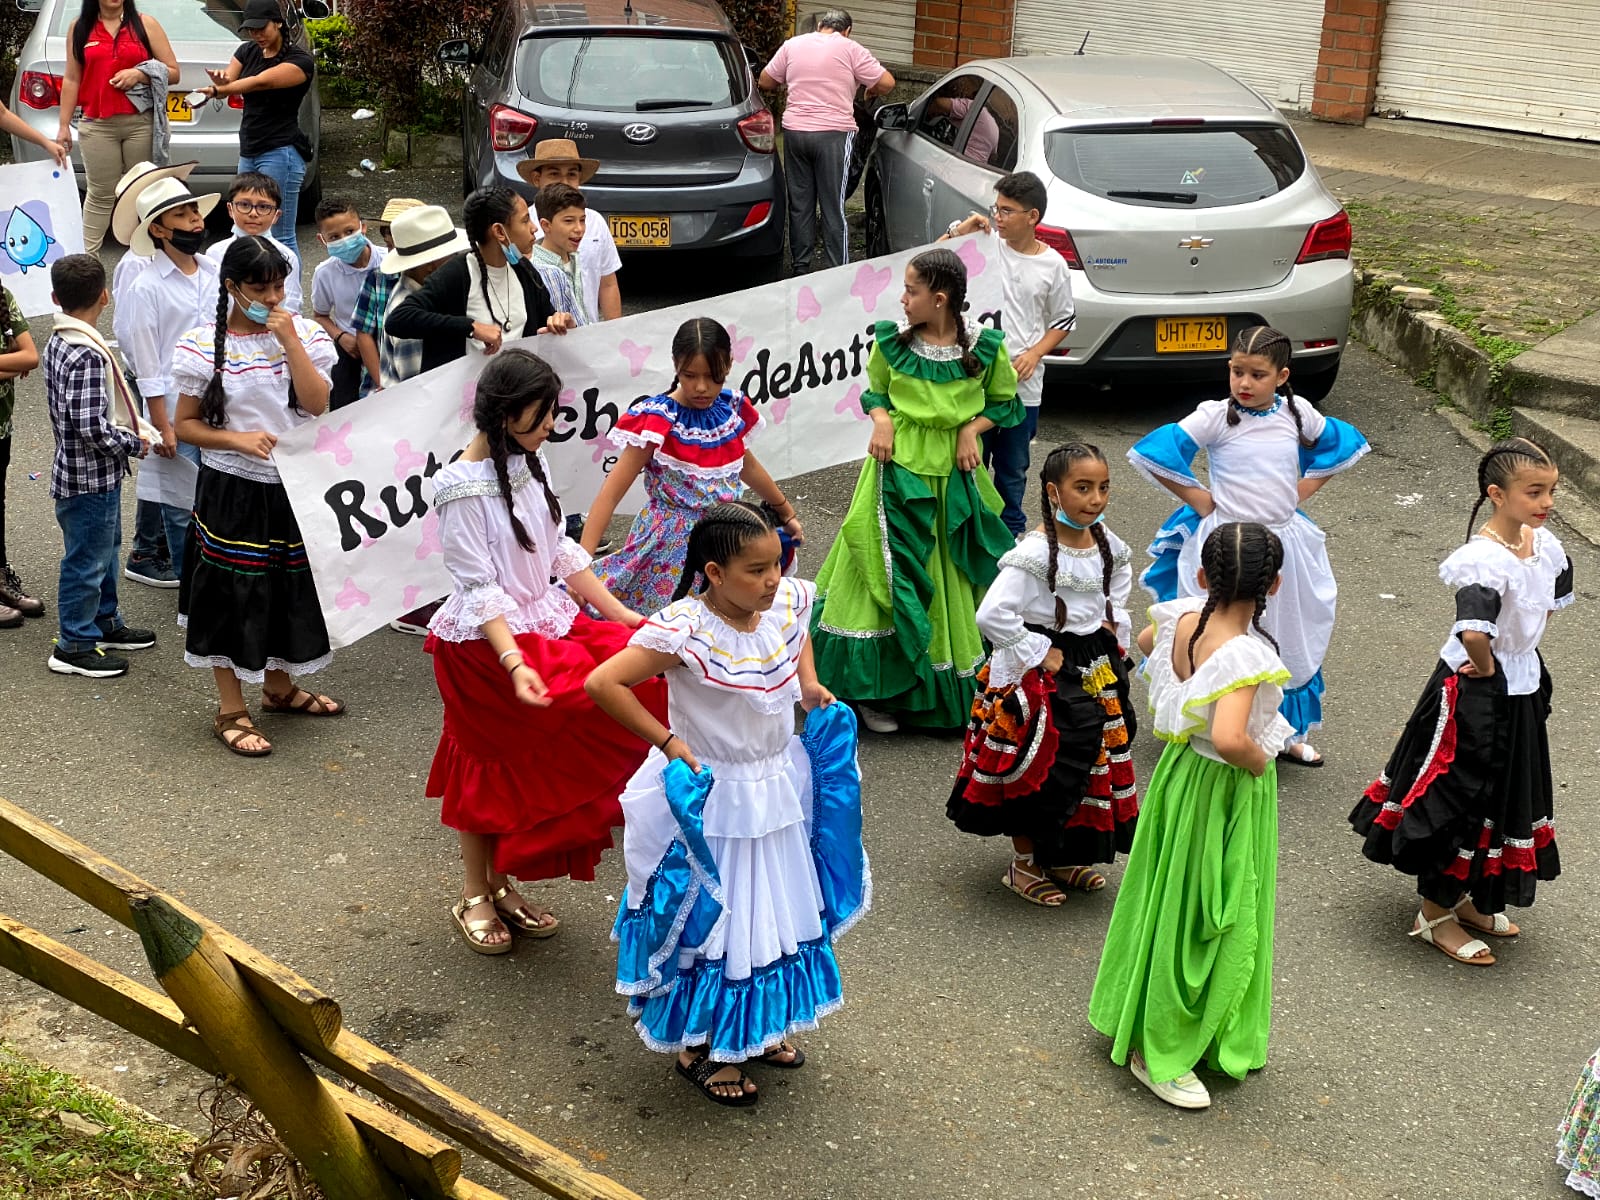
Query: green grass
point(41, 1159)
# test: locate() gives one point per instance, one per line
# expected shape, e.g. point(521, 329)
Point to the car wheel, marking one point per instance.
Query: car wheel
point(310, 197)
point(877, 232)
point(1315, 386)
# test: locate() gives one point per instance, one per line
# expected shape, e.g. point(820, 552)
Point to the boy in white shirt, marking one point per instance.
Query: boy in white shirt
point(336, 286)
point(1037, 316)
point(253, 203)
point(555, 160)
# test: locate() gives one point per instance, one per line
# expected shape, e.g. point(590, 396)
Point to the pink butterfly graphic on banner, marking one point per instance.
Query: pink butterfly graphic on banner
point(350, 596)
point(806, 306)
point(469, 397)
point(407, 460)
point(430, 543)
point(635, 354)
point(741, 346)
point(869, 285)
point(850, 403)
point(332, 441)
point(780, 409)
point(972, 257)
point(410, 596)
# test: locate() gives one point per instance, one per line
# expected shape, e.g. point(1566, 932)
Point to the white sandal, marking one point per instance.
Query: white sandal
point(1471, 953)
point(1502, 926)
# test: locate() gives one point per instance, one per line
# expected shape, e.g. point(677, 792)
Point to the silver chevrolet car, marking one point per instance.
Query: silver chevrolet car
point(1180, 198)
point(204, 33)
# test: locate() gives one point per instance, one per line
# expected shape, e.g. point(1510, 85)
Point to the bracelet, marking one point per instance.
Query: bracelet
point(953, 229)
point(665, 740)
point(509, 653)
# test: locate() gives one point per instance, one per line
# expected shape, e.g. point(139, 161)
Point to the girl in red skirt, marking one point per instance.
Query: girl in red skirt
point(528, 771)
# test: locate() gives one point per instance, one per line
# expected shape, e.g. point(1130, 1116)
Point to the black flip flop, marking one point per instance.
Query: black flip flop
point(794, 1064)
point(1310, 764)
point(700, 1072)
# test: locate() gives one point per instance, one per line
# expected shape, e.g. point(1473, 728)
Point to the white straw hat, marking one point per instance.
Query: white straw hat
point(422, 235)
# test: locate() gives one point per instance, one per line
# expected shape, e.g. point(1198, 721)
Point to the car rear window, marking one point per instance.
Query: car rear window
point(1182, 167)
point(630, 72)
point(183, 20)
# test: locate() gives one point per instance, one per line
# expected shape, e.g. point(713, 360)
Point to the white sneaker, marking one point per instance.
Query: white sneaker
point(1186, 1091)
point(877, 720)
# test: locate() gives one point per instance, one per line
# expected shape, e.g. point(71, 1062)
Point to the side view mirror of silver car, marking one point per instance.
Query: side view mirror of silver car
point(30, 6)
point(457, 53)
point(893, 116)
point(315, 10)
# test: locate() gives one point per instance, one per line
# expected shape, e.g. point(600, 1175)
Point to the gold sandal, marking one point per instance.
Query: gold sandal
point(522, 918)
point(473, 932)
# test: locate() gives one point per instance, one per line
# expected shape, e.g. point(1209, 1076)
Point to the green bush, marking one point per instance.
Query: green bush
point(15, 26)
point(762, 24)
point(339, 75)
point(394, 45)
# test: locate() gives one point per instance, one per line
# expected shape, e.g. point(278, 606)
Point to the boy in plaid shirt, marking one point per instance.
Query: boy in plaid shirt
point(91, 462)
point(421, 239)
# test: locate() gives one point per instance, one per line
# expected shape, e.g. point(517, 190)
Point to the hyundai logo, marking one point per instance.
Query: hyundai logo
point(639, 132)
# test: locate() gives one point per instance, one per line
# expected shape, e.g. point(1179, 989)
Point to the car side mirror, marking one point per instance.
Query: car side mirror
point(457, 53)
point(893, 116)
point(315, 10)
point(754, 59)
point(30, 6)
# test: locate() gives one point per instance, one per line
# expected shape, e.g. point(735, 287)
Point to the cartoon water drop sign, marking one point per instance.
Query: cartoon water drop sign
point(27, 242)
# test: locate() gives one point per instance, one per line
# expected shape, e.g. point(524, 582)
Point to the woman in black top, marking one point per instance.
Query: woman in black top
point(488, 295)
point(273, 76)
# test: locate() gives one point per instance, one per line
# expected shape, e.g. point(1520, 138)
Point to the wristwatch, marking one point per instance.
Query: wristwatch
point(953, 229)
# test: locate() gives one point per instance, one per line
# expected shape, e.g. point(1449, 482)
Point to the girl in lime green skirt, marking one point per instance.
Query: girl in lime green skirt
point(1186, 973)
point(896, 628)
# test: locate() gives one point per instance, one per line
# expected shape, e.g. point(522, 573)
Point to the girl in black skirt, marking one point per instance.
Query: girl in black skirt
point(247, 597)
point(1048, 760)
point(1465, 801)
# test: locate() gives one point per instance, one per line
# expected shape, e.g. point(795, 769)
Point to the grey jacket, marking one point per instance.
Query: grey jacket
point(152, 97)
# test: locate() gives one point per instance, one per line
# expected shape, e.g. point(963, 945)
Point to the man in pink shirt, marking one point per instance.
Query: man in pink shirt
point(822, 71)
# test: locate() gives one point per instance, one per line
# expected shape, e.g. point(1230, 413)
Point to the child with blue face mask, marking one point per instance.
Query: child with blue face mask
point(336, 287)
point(1048, 759)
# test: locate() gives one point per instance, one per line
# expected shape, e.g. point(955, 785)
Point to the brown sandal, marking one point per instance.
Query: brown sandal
point(225, 723)
point(1077, 879)
point(315, 705)
point(524, 918)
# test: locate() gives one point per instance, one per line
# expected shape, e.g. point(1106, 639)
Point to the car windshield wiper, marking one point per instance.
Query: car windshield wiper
point(1170, 197)
point(659, 105)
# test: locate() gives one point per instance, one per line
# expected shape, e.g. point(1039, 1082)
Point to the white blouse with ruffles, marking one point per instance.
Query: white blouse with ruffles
point(494, 576)
point(1184, 708)
point(1529, 593)
point(1020, 596)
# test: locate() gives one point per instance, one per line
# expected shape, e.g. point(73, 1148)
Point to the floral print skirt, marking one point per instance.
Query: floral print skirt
point(1578, 1142)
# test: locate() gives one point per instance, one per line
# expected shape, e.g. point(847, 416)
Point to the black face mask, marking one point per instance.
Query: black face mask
point(185, 242)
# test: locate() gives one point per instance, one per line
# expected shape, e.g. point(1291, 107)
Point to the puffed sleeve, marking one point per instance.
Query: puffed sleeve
point(1000, 392)
point(192, 363)
point(1477, 610)
point(1017, 650)
point(1481, 580)
point(1338, 447)
point(1562, 594)
point(569, 558)
point(1169, 452)
point(877, 393)
point(1121, 588)
point(319, 347)
point(749, 415)
point(477, 597)
point(646, 424)
point(669, 630)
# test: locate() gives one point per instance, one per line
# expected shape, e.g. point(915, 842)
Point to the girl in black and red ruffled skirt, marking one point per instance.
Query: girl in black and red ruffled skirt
point(1465, 801)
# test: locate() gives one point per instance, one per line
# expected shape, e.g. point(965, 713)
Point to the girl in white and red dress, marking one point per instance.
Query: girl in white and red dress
point(1465, 803)
point(527, 770)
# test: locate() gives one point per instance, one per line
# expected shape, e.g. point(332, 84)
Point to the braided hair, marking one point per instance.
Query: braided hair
point(1501, 465)
point(1241, 559)
point(942, 270)
point(701, 337)
point(1276, 348)
point(252, 260)
point(1057, 466)
point(718, 536)
point(514, 382)
point(482, 210)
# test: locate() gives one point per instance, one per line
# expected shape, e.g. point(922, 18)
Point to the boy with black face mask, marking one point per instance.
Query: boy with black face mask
point(175, 293)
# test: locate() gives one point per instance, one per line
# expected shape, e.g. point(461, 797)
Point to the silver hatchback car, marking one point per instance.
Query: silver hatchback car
point(1180, 198)
point(204, 33)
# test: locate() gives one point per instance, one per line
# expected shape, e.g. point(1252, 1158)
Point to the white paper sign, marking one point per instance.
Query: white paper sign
point(39, 222)
point(359, 479)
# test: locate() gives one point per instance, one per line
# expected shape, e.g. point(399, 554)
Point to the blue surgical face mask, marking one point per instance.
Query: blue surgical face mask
point(253, 310)
point(348, 249)
point(513, 255)
point(1071, 524)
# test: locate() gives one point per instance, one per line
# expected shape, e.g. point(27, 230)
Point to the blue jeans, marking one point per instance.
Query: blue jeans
point(86, 598)
point(1005, 453)
point(160, 530)
point(288, 169)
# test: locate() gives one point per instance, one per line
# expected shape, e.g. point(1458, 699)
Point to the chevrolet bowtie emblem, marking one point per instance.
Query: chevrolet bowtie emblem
point(1194, 243)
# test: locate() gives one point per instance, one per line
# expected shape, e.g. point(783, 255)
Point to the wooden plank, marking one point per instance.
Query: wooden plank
point(98, 881)
point(429, 1168)
point(465, 1189)
point(452, 1114)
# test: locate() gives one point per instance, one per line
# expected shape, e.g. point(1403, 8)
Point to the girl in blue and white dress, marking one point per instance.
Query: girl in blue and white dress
point(1266, 455)
point(743, 841)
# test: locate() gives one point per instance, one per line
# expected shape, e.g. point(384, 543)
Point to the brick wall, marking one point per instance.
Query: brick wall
point(1347, 64)
point(956, 31)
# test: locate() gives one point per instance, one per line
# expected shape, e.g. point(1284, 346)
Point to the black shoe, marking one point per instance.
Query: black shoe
point(151, 573)
point(95, 664)
point(125, 638)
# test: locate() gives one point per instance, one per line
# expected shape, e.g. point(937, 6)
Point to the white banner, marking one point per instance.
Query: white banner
point(359, 479)
point(41, 221)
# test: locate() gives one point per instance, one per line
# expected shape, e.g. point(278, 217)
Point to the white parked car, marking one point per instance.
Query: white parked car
point(1181, 199)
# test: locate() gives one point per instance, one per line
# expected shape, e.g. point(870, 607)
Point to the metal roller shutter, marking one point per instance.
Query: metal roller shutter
point(886, 27)
point(1272, 48)
point(1533, 66)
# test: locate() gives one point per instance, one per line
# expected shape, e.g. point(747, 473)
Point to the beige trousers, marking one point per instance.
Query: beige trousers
point(109, 148)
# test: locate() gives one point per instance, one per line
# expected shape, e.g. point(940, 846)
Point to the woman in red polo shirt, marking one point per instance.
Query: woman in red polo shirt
point(105, 46)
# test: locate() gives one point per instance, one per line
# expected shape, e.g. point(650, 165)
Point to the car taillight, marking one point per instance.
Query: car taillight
point(758, 131)
point(1061, 242)
point(1327, 239)
point(757, 214)
point(510, 129)
point(236, 101)
point(39, 89)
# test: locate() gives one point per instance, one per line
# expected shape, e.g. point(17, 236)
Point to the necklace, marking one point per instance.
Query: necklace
point(494, 287)
point(754, 620)
point(1488, 532)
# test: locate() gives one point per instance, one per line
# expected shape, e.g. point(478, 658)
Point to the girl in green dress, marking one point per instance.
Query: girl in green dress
point(895, 629)
point(1187, 969)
